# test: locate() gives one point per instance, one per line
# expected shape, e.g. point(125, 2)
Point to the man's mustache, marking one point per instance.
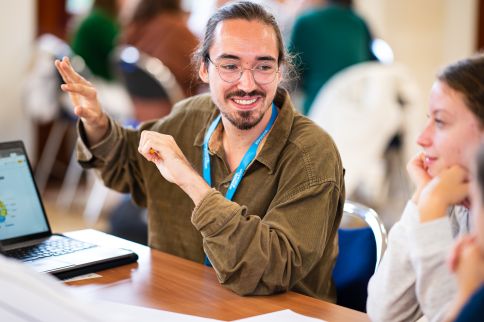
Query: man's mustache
point(241, 93)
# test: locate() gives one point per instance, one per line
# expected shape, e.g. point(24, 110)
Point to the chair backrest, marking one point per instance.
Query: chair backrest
point(365, 97)
point(360, 252)
point(145, 76)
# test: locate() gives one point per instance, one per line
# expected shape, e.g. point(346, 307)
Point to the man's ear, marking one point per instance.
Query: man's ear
point(279, 76)
point(203, 72)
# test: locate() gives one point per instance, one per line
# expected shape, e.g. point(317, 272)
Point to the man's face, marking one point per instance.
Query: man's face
point(248, 44)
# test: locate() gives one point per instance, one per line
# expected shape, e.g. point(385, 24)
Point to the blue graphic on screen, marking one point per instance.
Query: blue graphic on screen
point(20, 209)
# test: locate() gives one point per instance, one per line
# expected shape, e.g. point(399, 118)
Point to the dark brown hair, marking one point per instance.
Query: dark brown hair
point(148, 9)
point(467, 77)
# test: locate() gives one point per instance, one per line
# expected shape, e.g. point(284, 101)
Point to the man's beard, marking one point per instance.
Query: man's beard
point(244, 120)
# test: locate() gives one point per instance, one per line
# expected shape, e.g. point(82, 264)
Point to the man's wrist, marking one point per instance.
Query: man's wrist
point(96, 132)
point(195, 187)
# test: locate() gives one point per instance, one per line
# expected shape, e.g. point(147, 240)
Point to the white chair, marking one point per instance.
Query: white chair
point(363, 108)
point(360, 252)
point(371, 218)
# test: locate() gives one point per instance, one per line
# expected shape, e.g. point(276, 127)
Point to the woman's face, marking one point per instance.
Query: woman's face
point(452, 133)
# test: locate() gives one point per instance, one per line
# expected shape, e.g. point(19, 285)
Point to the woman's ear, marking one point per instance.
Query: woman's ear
point(203, 72)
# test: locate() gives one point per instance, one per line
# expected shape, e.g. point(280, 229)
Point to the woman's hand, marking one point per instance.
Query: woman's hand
point(418, 174)
point(450, 187)
point(467, 263)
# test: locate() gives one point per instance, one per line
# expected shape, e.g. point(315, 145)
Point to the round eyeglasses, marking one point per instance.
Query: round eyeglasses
point(229, 71)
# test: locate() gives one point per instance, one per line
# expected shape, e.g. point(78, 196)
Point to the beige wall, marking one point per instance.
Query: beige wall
point(425, 35)
point(17, 30)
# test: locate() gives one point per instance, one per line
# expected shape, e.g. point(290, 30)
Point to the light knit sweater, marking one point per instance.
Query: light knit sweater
point(413, 279)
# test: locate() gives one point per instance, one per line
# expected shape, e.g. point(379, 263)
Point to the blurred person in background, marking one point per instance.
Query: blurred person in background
point(413, 279)
point(96, 36)
point(159, 28)
point(467, 258)
point(326, 40)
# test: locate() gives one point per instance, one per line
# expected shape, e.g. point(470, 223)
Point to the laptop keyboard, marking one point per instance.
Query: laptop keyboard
point(49, 248)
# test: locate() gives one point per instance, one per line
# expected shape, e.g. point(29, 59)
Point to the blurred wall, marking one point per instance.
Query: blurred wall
point(17, 30)
point(425, 35)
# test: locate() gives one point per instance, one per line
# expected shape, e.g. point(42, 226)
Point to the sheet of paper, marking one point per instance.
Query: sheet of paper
point(26, 295)
point(126, 312)
point(280, 316)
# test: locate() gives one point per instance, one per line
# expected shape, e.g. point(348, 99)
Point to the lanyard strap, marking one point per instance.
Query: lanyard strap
point(246, 160)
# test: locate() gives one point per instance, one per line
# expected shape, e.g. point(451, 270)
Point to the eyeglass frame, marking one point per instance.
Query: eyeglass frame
point(242, 69)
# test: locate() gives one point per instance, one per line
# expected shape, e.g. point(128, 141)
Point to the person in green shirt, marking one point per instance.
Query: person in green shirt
point(325, 41)
point(96, 37)
point(236, 177)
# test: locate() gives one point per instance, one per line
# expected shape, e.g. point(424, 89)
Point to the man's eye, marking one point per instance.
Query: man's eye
point(265, 68)
point(229, 67)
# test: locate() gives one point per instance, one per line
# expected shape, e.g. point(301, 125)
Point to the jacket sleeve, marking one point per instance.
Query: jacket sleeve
point(264, 256)
point(116, 160)
point(391, 290)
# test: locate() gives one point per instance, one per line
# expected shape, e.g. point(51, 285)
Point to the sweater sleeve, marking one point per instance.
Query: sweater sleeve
point(391, 291)
point(435, 287)
point(116, 160)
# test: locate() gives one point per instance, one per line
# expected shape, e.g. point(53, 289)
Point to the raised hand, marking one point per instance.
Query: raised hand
point(163, 151)
point(84, 98)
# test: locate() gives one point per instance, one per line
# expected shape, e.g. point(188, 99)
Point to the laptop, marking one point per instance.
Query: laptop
point(25, 231)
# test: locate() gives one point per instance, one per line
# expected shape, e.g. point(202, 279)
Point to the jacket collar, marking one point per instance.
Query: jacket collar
point(277, 137)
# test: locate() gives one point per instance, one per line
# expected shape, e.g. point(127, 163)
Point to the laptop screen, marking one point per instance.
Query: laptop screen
point(21, 211)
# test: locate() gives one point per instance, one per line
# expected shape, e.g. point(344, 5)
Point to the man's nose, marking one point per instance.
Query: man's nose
point(247, 82)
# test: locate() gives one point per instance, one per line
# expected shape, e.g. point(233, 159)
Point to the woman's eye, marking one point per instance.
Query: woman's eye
point(439, 122)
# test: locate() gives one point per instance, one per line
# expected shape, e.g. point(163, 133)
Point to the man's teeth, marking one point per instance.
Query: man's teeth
point(245, 102)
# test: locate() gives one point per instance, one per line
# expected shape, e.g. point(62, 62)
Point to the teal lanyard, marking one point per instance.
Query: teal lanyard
point(246, 160)
point(244, 164)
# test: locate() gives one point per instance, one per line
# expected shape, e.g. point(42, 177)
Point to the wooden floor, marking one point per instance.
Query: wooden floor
point(63, 219)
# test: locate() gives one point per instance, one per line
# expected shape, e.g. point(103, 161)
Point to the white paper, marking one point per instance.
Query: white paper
point(125, 312)
point(280, 316)
point(26, 295)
